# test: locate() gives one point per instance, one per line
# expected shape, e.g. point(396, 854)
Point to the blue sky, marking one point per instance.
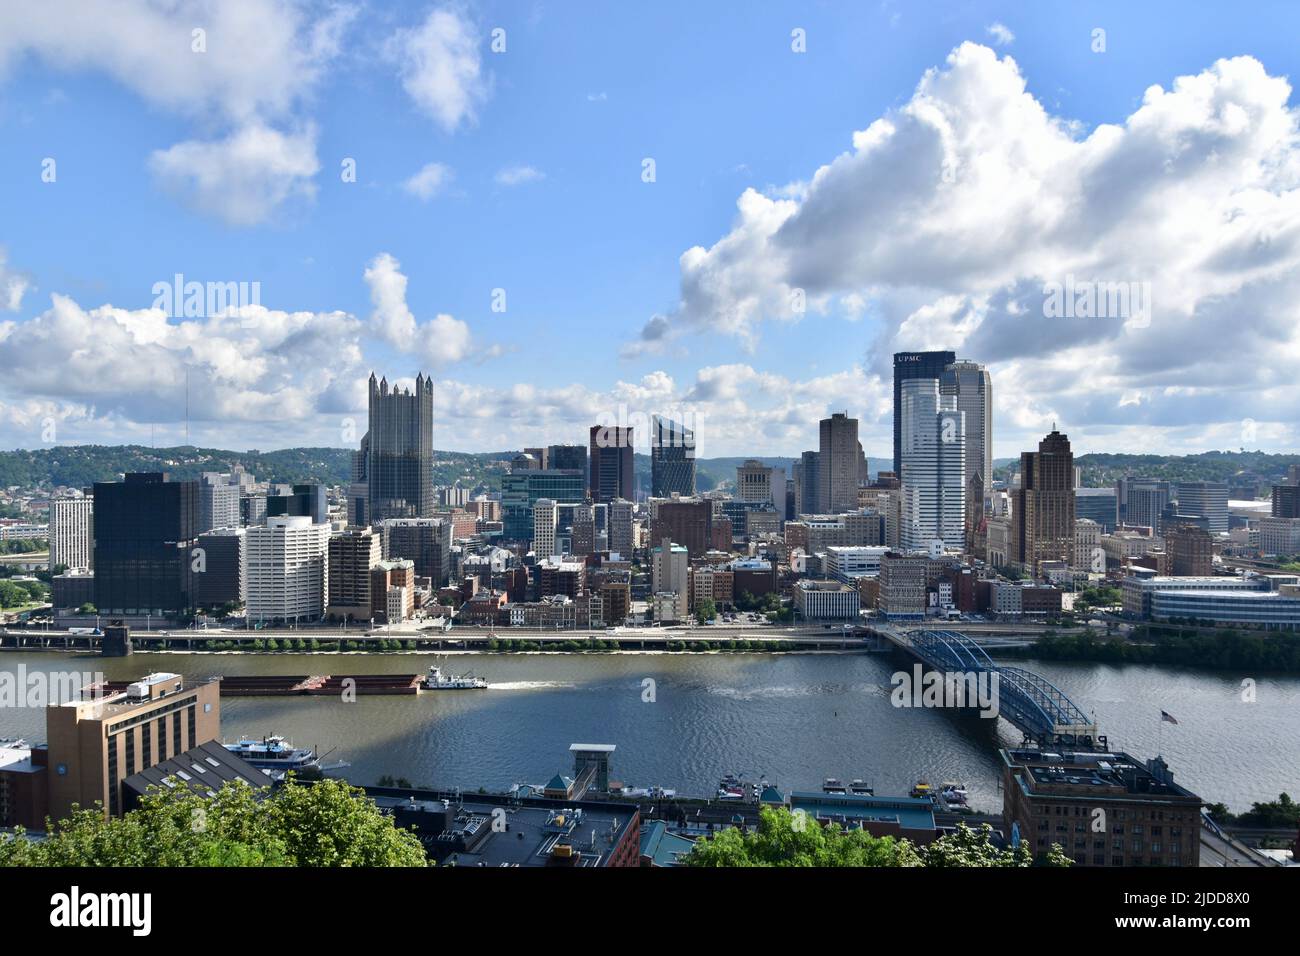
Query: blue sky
point(230, 171)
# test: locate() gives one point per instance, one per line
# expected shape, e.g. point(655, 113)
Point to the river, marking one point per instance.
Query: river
point(796, 718)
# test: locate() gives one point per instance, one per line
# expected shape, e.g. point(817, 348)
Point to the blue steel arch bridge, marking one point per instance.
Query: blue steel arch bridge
point(1032, 703)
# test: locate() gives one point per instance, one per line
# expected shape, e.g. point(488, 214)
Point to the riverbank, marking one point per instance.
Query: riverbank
point(1219, 651)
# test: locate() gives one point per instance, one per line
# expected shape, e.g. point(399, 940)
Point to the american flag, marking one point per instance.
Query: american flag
point(1167, 717)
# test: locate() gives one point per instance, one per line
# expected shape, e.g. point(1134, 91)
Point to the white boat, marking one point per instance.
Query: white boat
point(273, 753)
point(437, 680)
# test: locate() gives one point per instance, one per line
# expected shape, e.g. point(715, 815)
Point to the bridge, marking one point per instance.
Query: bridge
point(1033, 704)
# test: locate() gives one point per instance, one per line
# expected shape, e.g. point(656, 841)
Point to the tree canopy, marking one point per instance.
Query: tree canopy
point(328, 823)
point(783, 838)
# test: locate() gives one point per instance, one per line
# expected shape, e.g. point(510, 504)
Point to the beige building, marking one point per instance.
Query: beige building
point(96, 744)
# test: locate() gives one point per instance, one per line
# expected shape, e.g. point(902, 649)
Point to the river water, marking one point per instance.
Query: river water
point(795, 718)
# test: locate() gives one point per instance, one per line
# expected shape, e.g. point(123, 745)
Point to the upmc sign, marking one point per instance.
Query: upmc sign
point(902, 358)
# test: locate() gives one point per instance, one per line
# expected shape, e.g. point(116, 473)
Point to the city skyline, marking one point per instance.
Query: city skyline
point(470, 242)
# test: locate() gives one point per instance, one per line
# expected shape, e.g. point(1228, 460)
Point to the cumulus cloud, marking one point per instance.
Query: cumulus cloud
point(441, 67)
point(243, 179)
point(518, 175)
point(429, 182)
point(949, 217)
point(243, 66)
point(439, 341)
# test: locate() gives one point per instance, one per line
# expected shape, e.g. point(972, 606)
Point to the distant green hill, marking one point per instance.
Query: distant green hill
point(1100, 470)
point(80, 465)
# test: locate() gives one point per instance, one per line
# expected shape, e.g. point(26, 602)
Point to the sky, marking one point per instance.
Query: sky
point(577, 213)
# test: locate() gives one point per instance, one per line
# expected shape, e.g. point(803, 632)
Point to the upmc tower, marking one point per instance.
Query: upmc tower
point(909, 365)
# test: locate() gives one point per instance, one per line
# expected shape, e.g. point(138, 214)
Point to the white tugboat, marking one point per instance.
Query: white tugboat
point(273, 753)
point(437, 680)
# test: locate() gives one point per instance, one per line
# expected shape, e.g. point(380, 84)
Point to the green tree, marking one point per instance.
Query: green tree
point(324, 824)
point(793, 839)
point(706, 611)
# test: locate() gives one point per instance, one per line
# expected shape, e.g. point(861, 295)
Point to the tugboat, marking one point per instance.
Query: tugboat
point(833, 785)
point(731, 787)
point(860, 788)
point(921, 790)
point(273, 753)
point(437, 680)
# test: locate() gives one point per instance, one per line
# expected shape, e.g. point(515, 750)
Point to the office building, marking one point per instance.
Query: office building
point(1190, 550)
point(757, 482)
point(424, 541)
point(1286, 502)
point(611, 463)
point(567, 458)
point(933, 467)
point(669, 576)
point(1207, 499)
point(1279, 537)
point(672, 458)
point(902, 581)
point(219, 496)
point(353, 554)
point(305, 501)
point(93, 745)
point(685, 521)
point(288, 565)
point(1088, 553)
point(392, 591)
point(220, 570)
point(807, 478)
point(1058, 797)
point(970, 385)
point(1042, 519)
point(1140, 502)
point(395, 462)
point(826, 600)
point(520, 491)
point(620, 535)
point(144, 531)
point(840, 467)
point(911, 365)
point(1097, 504)
point(544, 525)
point(71, 543)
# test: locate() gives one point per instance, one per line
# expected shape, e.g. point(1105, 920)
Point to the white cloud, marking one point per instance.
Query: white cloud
point(246, 75)
point(243, 179)
point(441, 67)
point(439, 341)
point(1001, 34)
point(13, 285)
point(429, 182)
point(518, 175)
point(948, 216)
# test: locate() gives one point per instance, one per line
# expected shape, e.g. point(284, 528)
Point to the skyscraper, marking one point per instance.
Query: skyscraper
point(672, 458)
point(933, 467)
point(611, 463)
point(397, 452)
point(839, 464)
point(909, 365)
point(218, 501)
point(1205, 499)
point(71, 544)
point(970, 384)
point(145, 528)
point(806, 481)
point(1042, 519)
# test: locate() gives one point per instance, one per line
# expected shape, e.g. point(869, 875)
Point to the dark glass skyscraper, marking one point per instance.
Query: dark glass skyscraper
point(397, 452)
point(913, 365)
point(145, 527)
point(611, 463)
point(672, 458)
